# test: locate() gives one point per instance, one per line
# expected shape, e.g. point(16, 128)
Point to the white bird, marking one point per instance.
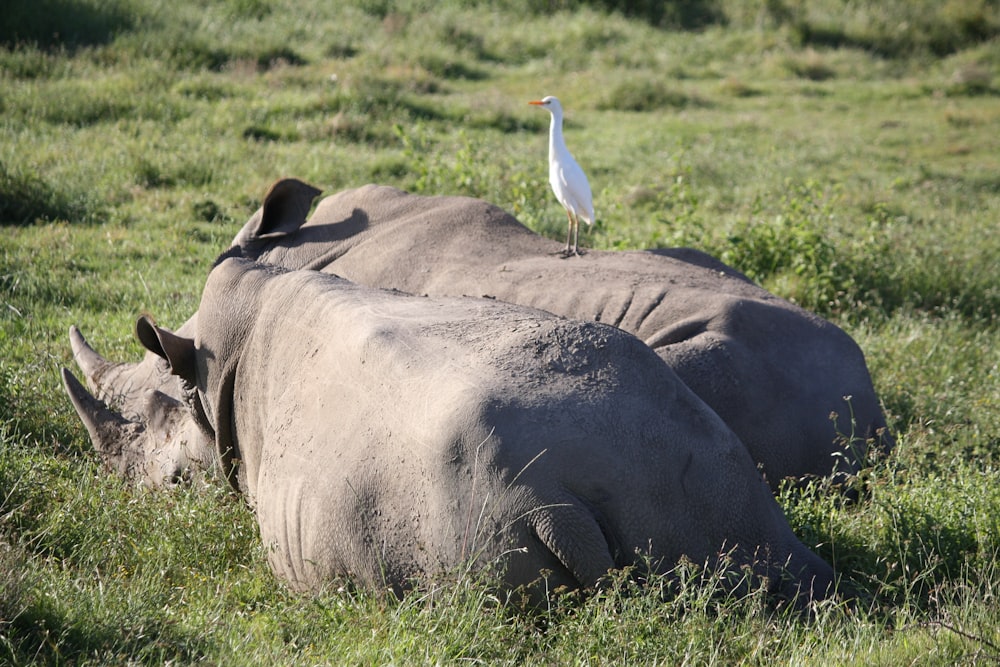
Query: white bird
point(567, 179)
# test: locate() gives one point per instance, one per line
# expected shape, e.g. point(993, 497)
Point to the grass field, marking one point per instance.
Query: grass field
point(846, 155)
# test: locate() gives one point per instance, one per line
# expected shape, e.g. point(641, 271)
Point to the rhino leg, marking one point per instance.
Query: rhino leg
point(164, 448)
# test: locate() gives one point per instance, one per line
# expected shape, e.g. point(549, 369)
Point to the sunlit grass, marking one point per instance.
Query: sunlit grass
point(845, 166)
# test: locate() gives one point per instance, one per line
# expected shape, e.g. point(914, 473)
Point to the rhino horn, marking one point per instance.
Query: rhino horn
point(109, 432)
point(95, 367)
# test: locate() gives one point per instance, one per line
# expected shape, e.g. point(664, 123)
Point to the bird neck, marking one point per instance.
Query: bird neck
point(556, 141)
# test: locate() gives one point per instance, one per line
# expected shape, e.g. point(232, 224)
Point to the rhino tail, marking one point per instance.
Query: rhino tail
point(110, 433)
point(572, 533)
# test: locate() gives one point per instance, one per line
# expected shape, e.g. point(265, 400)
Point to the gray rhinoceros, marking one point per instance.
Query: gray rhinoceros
point(389, 438)
point(773, 371)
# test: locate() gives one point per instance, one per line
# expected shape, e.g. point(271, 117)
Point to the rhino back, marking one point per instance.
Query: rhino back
point(365, 430)
point(428, 232)
point(774, 371)
point(389, 437)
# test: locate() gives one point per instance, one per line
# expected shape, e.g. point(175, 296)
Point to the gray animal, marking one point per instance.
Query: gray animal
point(773, 371)
point(389, 439)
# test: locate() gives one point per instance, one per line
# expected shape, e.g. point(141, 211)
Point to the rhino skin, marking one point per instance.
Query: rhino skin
point(164, 448)
point(774, 372)
point(156, 440)
point(391, 439)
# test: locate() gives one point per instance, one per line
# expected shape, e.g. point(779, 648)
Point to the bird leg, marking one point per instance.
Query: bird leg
point(576, 236)
point(572, 239)
point(574, 226)
point(569, 234)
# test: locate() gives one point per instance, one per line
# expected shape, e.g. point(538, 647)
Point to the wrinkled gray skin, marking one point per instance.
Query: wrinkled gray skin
point(390, 438)
point(773, 371)
point(155, 440)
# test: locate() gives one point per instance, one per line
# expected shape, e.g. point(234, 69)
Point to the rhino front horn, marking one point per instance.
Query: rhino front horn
point(109, 432)
point(90, 362)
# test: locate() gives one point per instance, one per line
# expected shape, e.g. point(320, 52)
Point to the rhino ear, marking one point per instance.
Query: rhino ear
point(285, 208)
point(177, 350)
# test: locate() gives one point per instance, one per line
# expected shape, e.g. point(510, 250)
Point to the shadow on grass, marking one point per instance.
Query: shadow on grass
point(914, 543)
point(26, 197)
point(43, 634)
point(51, 23)
point(688, 15)
point(940, 37)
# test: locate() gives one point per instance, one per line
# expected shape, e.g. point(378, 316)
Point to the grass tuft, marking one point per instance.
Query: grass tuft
point(637, 95)
point(63, 23)
point(25, 197)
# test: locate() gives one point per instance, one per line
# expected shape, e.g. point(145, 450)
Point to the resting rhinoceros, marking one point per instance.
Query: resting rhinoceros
point(389, 438)
point(773, 371)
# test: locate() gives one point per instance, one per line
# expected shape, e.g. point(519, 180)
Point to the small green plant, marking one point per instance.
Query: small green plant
point(793, 250)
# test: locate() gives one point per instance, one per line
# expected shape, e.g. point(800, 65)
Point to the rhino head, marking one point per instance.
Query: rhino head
point(161, 448)
point(140, 416)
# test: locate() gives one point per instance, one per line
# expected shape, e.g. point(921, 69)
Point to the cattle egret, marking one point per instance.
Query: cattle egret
point(567, 179)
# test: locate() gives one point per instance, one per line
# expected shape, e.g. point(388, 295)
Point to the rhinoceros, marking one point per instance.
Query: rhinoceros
point(774, 372)
point(389, 439)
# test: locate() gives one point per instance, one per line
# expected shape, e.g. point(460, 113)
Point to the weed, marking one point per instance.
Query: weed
point(793, 249)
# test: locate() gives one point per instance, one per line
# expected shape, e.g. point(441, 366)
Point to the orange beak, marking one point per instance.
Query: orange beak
point(537, 102)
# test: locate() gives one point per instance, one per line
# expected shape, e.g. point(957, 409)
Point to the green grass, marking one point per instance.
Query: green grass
point(844, 155)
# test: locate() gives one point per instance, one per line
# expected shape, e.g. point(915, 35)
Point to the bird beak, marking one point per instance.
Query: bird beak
point(536, 102)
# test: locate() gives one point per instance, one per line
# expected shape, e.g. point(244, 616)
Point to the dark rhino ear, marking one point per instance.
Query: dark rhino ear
point(285, 208)
point(177, 350)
